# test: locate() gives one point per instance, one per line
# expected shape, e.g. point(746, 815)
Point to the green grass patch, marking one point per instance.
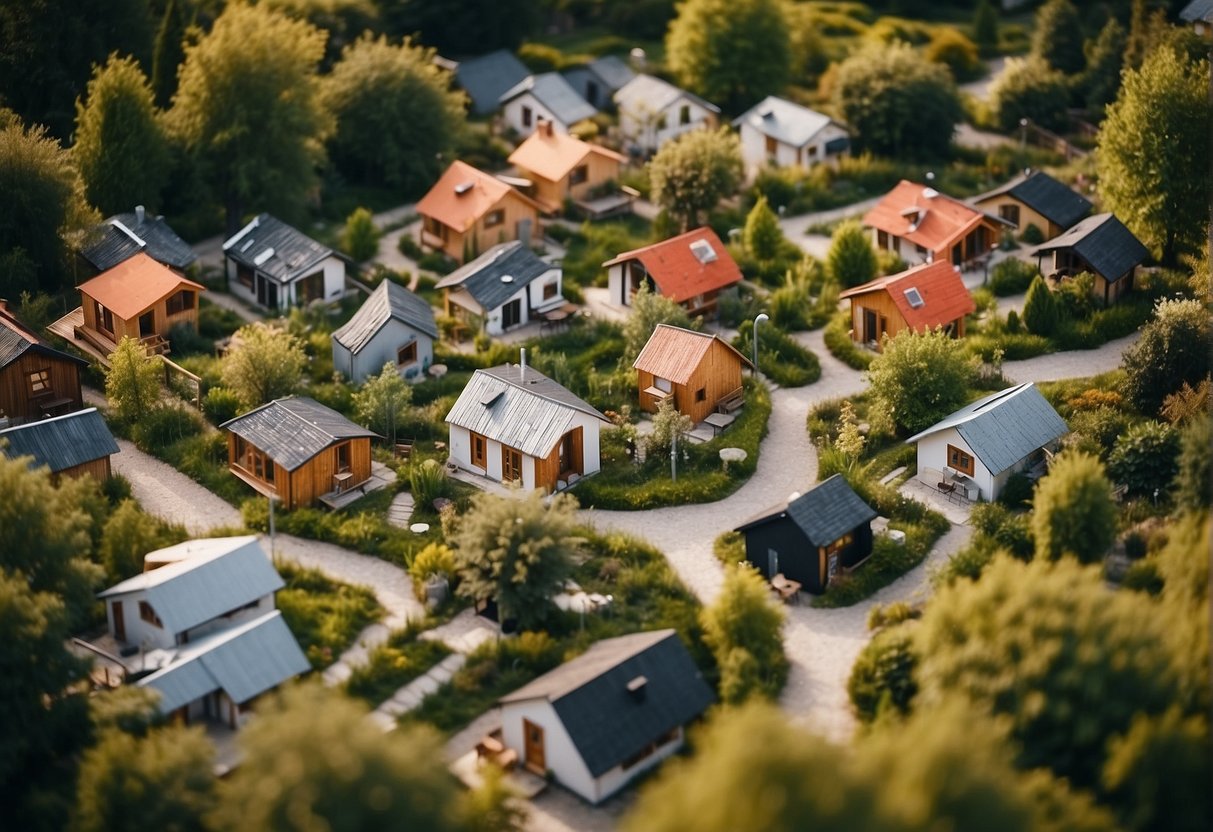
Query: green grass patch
point(325, 615)
point(780, 357)
point(393, 664)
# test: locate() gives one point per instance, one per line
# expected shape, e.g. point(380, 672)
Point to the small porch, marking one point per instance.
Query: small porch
point(345, 491)
point(608, 205)
point(97, 344)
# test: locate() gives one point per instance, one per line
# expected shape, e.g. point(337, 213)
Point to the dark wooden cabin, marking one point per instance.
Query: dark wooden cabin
point(36, 381)
point(74, 445)
point(812, 537)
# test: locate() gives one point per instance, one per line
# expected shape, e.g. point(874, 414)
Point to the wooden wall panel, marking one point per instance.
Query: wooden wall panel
point(15, 399)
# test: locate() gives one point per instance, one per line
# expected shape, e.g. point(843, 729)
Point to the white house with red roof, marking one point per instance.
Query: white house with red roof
point(691, 269)
point(923, 225)
point(920, 298)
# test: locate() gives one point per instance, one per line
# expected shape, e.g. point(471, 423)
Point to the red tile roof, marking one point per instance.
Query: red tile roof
point(923, 216)
point(679, 273)
point(943, 293)
point(135, 285)
point(463, 195)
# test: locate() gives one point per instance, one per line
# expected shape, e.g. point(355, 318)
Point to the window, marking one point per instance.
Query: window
point(494, 218)
point(527, 116)
point(701, 394)
point(180, 302)
point(407, 354)
point(254, 461)
point(105, 318)
point(549, 290)
point(149, 615)
point(579, 175)
point(662, 123)
point(40, 382)
point(245, 275)
point(684, 114)
point(1010, 213)
point(841, 543)
point(812, 151)
point(343, 457)
point(479, 448)
point(960, 460)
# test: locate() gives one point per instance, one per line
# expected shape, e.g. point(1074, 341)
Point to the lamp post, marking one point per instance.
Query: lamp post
point(762, 316)
point(1023, 134)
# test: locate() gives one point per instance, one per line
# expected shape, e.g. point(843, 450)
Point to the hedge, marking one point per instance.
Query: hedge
point(837, 335)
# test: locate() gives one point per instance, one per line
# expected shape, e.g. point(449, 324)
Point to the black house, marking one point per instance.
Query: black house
point(811, 537)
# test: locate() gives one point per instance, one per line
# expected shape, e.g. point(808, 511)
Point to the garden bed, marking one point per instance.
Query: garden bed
point(324, 615)
point(393, 664)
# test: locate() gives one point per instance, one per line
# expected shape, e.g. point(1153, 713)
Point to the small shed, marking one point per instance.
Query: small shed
point(697, 369)
point(485, 78)
point(920, 298)
point(653, 111)
point(813, 536)
point(392, 326)
point(73, 445)
point(922, 225)
point(277, 266)
point(560, 166)
point(782, 133)
point(1101, 245)
point(36, 380)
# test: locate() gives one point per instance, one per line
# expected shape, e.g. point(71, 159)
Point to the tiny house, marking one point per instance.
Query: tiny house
point(1035, 199)
point(468, 211)
point(920, 299)
point(36, 380)
point(1102, 246)
point(140, 299)
point(922, 225)
point(73, 445)
point(691, 269)
point(393, 326)
point(696, 370)
point(276, 266)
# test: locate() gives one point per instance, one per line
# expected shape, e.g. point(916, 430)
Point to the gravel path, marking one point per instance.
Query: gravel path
point(1072, 364)
point(164, 491)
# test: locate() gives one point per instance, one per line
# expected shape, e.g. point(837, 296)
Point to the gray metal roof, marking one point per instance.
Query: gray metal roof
point(275, 249)
point(528, 413)
point(606, 723)
point(613, 70)
point(62, 442)
point(15, 343)
point(1197, 10)
point(554, 92)
point(214, 576)
point(243, 661)
point(1103, 241)
point(1046, 196)
point(1004, 427)
point(483, 277)
point(825, 512)
point(486, 78)
point(654, 94)
point(293, 430)
point(122, 236)
point(784, 121)
point(389, 300)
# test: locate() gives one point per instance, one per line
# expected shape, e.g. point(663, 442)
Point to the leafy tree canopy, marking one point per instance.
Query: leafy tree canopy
point(919, 378)
point(1058, 36)
point(692, 173)
point(1073, 511)
point(1029, 89)
point(1172, 350)
point(263, 364)
point(383, 401)
point(851, 259)
point(648, 310)
point(744, 630)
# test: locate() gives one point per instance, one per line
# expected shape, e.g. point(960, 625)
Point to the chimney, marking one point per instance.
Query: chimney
point(545, 126)
point(636, 688)
point(522, 367)
point(524, 232)
point(140, 213)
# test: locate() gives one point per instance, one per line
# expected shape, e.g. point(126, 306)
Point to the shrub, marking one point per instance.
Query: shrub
point(1173, 349)
point(1101, 426)
point(539, 57)
point(1012, 277)
point(392, 665)
point(165, 425)
point(185, 340)
point(919, 378)
point(434, 559)
point(780, 357)
point(1041, 314)
point(743, 629)
point(883, 674)
point(837, 336)
point(1018, 490)
point(890, 262)
point(323, 614)
point(410, 248)
point(437, 262)
point(729, 548)
point(1072, 511)
point(1032, 235)
point(851, 259)
point(360, 238)
point(1013, 322)
point(1076, 298)
point(1145, 458)
point(955, 51)
point(220, 404)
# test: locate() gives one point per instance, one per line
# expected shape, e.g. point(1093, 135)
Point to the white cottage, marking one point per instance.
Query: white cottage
point(545, 97)
point(610, 714)
point(781, 133)
point(275, 266)
point(394, 326)
point(653, 111)
point(507, 286)
point(515, 425)
point(981, 445)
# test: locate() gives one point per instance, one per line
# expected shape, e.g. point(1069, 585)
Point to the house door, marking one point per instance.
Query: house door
point(869, 325)
point(772, 563)
point(311, 288)
point(511, 314)
point(147, 324)
point(533, 757)
point(511, 465)
point(267, 293)
point(119, 622)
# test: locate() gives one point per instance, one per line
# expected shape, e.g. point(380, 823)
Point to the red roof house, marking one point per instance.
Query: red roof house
point(923, 225)
point(691, 269)
point(920, 298)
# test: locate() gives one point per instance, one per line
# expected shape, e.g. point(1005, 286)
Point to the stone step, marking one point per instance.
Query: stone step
point(892, 475)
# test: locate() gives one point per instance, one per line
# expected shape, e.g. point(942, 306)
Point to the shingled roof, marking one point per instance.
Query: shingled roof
point(686, 266)
point(135, 285)
point(1197, 10)
point(942, 294)
point(652, 94)
point(1104, 243)
point(674, 353)
point(785, 121)
point(463, 194)
point(124, 235)
point(62, 442)
point(485, 78)
point(825, 512)
point(389, 301)
point(552, 154)
point(293, 430)
point(485, 277)
point(553, 91)
point(275, 249)
point(1054, 201)
point(16, 341)
point(606, 722)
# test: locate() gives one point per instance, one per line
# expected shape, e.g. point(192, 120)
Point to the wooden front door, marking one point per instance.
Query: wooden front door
point(147, 324)
point(119, 622)
point(311, 288)
point(511, 314)
point(534, 757)
point(869, 325)
point(511, 465)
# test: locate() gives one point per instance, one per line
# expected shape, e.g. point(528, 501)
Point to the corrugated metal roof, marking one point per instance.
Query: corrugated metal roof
point(530, 415)
point(122, 236)
point(825, 512)
point(293, 430)
point(16, 341)
point(554, 92)
point(486, 78)
point(214, 576)
point(1044, 195)
point(244, 661)
point(606, 723)
point(389, 300)
point(652, 94)
point(784, 121)
point(674, 353)
point(1105, 243)
point(62, 442)
point(1197, 10)
point(482, 278)
point(275, 249)
point(1004, 427)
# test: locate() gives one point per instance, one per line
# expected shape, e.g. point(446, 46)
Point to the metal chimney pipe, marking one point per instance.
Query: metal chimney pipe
point(522, 367)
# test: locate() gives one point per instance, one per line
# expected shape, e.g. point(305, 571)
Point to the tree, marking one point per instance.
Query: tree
point(732, 52)
point(1048, 646)
point(1145, 459)
point(882, 677)
point(692, 173)
point(1105, 55)
point(1171, 351)
point(248, 109)
point(469, 27)
point(648, 310)
point(1193, 486)
point(120, 148)
point(919, 378)
point(132, 382)
point(1029, 89)
point(985, 27)
point(517, 551)
point(383, 401)
point(312, 760)
point(896, 103)
point(1041, 313)
point(1058, 37)
point(263, 364)
point(46, 202)
point(668, 426)
point(951, 48)
point(851, 259)
point(360, 237)
point(397, 118)
point(1072, 511)
point(1153, 139)
point(762, 236)
point(161, 781)
point(744, 631)
point(129, 534)
point(168, 53)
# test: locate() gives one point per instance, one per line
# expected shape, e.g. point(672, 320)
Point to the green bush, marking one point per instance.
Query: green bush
point(434, 559)
point(539, 57)
point(1032, 235)
point(968, 563)
point(1018, 491)
point(165, 425)
point(838, 341)
point(393, 664)
point(1101, 426)
point(437, 262)
point(882, 677)
point(324, 615)
point(1041, 312)
point(215, 322)
point(185, 340)
point(780, 358)
point(1145, 459)
point(1008, 529)
point(1012, 277)
point(1015, 347)
point(428, 481)
point(729, 548)
point(410, 248)
point(220, 404)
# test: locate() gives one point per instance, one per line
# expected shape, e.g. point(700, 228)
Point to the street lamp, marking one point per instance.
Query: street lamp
point(762, 316)
point(1023, 134)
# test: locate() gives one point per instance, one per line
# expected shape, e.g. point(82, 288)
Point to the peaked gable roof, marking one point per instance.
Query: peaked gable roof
point(463, 194)
point(485, 78)
point(1046, 196)
point(785, 121)
point(679, 271)
point(135, 285)
point(825, 512)
point(123, 235)
point(525, 411)
point(612, 70)
point(1197, 10)
point(1104, 242)
point(276, 249)
point(552, 154)
point(943, 295)
point(553, 91)
point(389, 301)
point(16, 341)
point(61, 442)
point(674, 353)
point(1004, 427)
point(923, 216)
point(606, 722)
point(213, 576)
point(652, 94)
point(293, 430)
point(485, 277)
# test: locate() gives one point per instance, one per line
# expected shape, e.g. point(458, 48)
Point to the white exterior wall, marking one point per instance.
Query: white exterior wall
point(754, 149)
point(381, 350)
point(638, 124)
point(615, 286)
point(590, 431)
point(933, 456)
point(535, 290)
point(615, 779)
point(138, 631)
point(460, 446)
point(492, 321)
point(334, 283)
point(559, 753)
point(512, 115)
point(910, 252)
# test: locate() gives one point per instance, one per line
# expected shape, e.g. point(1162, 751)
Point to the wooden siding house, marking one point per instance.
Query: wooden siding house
point(35, 380)
point(562, 167)
point(468, 211)
point(1100, 245)
point(1035, 199)
point(297, 450)
point(692, 269)
point(74, 445)
point(812, 537)
point(696, 369)
point(920, 299)
point(922, 226)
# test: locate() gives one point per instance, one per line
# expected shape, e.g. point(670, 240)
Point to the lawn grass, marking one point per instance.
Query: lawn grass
point(393, 664)
point(324, 615)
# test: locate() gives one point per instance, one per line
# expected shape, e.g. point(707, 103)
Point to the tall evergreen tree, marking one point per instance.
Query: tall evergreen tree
point(1105, 57)
point(1058, 37)
point(168, 53)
